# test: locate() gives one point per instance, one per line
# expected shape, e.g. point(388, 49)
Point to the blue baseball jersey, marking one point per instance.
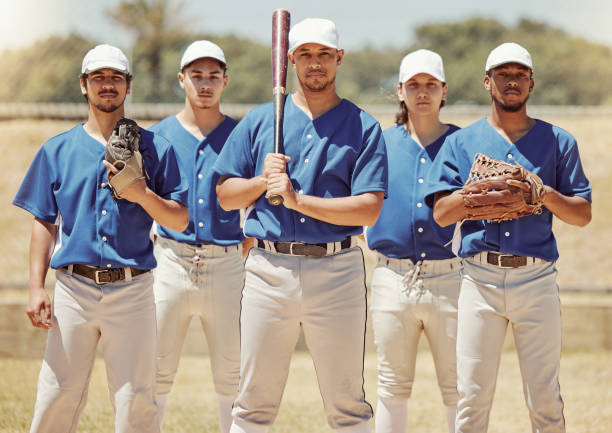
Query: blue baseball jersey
point(405, 228)
point(67, 184)
point(546, 150)
point(208, 222)
point(338, 154)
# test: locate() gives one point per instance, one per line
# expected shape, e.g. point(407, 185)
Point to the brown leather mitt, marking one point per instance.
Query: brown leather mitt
point(123, 152)
point(487, 195)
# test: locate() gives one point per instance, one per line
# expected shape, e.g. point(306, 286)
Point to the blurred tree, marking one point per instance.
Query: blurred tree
point(568, 70)
point(156, 24)
point(46, 71)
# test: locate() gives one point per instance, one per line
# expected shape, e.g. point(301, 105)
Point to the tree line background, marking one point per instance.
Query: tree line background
point(568, 70)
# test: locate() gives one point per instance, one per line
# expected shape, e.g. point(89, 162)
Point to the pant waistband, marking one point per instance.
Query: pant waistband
point(505, 260)
point(304, 249)
point(426, 266)
point(103, 276)
point(201, 250)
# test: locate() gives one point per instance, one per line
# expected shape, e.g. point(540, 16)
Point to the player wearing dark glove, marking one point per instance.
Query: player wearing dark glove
point(123, 152)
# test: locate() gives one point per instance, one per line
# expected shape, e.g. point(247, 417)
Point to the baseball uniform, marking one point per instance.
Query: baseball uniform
point(108, 240)
point(498, 287)
point(200, 271)
point(415, 284)
point(340, 153)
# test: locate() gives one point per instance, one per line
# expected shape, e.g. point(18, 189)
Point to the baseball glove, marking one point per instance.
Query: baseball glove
point(123, 152)
point(488, 196)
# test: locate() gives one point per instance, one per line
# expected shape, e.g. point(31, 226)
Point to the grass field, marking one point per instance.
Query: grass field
point(585, 379)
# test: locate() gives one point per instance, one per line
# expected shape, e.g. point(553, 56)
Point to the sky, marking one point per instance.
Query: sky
point(376, 23)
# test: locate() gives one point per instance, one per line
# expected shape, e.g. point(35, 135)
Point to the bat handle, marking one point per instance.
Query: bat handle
point(275, 199)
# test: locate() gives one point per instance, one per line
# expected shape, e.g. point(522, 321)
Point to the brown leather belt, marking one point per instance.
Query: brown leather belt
point(104, 276)
point(506, 260)
point(303, 249)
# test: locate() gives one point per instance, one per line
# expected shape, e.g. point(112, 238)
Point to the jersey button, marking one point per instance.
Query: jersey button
point(201, 200)
point(302, 220)
point(103, 212)
point(201, 152)
point(420, 229)
point(309, 136)
point(423, 255)
point(420, 180)
point(108, 265)
point(200, 175)
point(103, 185)
point(306, 160)
point(423, 160)
point(104, 238)
point(419, 204)
point(200, 224)
point(507, 234)
point(509, 156)
point(301, 191)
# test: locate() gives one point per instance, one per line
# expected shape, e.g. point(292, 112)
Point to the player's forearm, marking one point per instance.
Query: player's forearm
point(358, 210)
point(168, 213)
point(571, 210)
point(238, 193)
point(41, 249)
point(448, 208)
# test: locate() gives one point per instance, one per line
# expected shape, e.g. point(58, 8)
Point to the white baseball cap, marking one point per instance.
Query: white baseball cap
point(105, 56)
point(421, 62)
point(508, 52)
point(202, 49)
point(313, 31)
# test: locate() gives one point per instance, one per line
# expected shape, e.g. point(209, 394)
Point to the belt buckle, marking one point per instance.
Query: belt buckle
point(106, 279)
point(499, 261)
point(291, 245)
point(109, 276)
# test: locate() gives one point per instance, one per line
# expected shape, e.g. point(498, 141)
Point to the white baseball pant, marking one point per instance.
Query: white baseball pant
point(490, 298)
point(121, 316)
point(402, 311)
point(207, 282)
point(327, 298)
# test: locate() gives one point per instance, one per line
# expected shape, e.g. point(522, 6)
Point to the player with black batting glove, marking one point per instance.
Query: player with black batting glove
point(96, 236)
point(509, 274)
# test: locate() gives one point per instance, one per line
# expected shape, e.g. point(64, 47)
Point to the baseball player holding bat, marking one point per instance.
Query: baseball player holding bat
point(305, 270)
point(415, 284)
point(200, 271)
point(509, 272)
point(100, 247)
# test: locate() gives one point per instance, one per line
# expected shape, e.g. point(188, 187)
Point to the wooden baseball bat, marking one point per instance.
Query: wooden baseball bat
point(280, 45)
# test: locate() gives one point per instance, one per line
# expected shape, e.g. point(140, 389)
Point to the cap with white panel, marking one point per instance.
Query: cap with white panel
point(313, 31)
point(421, 62)
point(202, 49)
point(509, 52)
point(105, 56)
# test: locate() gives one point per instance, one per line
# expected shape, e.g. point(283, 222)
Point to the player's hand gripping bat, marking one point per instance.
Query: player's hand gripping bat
point(280, 46)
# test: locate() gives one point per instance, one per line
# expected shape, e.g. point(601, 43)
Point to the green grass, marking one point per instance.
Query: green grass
point(585, 379)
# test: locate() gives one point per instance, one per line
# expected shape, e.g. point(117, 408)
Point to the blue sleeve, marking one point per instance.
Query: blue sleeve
point(169, 183)
point(571, 180)
point(445, 174)
point(236, 159)
point(35, 194)
point(371, 168)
